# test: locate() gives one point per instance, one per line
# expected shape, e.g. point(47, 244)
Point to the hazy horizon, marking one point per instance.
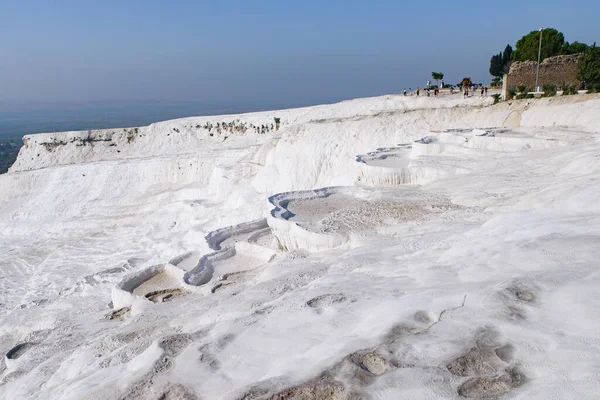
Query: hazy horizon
point(16, 122)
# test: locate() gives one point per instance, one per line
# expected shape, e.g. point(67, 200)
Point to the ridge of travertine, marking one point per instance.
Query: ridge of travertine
point(192, 133)
point(189, 135)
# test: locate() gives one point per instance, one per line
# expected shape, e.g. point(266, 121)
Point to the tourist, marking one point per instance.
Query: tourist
point(405, 91)
point(485, 89)
point(418, 91)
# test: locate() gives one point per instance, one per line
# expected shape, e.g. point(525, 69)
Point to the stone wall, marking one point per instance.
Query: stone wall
point(558, 70)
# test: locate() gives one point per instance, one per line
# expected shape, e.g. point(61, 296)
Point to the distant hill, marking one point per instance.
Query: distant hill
point(9, 149)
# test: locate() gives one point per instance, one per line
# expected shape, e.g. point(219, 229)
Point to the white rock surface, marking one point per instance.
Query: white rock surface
point(495, 240)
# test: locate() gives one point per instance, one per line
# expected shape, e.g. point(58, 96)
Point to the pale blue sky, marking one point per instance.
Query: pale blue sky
point(254, 53)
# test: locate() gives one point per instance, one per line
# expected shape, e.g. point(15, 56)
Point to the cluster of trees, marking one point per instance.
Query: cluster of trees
point(500, 63)
point(589, 67)
point(553, 44)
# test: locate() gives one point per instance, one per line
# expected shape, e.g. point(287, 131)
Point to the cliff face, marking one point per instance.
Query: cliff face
point(195, 134)
point(559, 71)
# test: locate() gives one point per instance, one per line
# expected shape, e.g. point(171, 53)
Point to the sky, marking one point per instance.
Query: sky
point(256, 54)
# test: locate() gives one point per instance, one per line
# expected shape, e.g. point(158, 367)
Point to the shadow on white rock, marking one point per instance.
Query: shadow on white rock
point(237, 249)
point(13, 355)
point(186, 261)
point(147, 283)
point(224, 237)
point(396, 166)
point(290, 227)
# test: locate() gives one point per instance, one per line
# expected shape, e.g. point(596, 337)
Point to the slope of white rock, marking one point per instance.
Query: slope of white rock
point(384, 248)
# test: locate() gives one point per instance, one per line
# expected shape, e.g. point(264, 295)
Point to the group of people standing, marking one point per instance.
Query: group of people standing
point(436, 91)
point(483, 90)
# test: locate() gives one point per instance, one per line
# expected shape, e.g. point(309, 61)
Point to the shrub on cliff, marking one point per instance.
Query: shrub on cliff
point(521, 96)
point(549, 90)
point(569, 90)
point(593, 88)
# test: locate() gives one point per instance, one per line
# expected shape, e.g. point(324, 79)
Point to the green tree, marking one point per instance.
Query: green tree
point(553, 44)
point(576, 47)
point(589, 66)
point(500, 63)
point(496, 65)
point(437, 76)
point(506, 58)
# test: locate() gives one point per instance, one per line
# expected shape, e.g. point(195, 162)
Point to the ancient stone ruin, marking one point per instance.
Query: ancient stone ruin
point(559, 70)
